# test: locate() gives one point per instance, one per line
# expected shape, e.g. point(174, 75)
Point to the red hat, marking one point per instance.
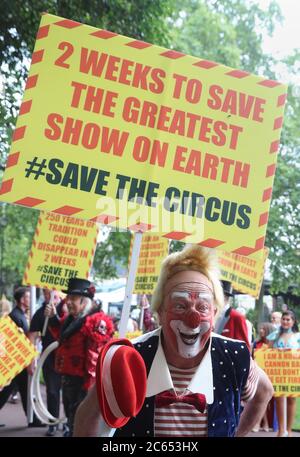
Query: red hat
point(121, 380)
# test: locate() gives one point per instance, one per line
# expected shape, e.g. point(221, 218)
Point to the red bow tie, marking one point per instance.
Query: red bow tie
point(167, 398)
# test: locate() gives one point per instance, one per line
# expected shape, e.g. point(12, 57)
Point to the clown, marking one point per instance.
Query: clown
point(186, 316)
point(197, 381)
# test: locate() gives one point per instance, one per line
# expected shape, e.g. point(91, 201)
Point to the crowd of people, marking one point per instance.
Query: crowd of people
point(195, 361)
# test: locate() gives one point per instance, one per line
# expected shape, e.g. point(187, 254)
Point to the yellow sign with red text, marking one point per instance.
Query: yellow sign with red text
point(63, 247)
point(153, 250)
point(244, 273)
point(283, 369)
point(16, 351)
point(145, 138)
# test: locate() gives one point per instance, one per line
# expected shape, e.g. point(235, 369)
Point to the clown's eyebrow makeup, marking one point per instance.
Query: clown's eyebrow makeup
point(190, 286)
point(186, 295)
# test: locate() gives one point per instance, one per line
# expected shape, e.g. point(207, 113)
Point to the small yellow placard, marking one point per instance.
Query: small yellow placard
point(153, 250)
point(283, 369)
point(245, 274)
point(145, 138)
point(63, 247)
point(16, 351)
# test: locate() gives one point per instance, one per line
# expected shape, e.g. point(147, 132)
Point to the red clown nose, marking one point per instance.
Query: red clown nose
point(193, 319)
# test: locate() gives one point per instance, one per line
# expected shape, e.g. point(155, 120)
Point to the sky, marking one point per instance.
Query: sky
point(286, 36)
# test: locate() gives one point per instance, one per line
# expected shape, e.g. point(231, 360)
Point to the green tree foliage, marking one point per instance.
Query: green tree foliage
point(228, 32)
point(283, 236)
point(112, 255)
point(19, 21)
point(17, 226)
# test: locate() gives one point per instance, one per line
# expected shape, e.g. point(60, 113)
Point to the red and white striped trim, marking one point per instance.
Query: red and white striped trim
point(107, 382)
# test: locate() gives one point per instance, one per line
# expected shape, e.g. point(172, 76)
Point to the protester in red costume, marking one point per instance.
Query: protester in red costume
point(82, 335)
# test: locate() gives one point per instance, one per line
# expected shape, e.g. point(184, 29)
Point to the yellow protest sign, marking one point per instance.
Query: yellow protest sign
point(144, 138)
point(153, 250)
point(245, 274)
point(16, 351)
point(283, 369)
point(63, 247)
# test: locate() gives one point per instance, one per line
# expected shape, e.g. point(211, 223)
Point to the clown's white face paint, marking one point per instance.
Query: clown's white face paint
point(189, 340)
point(187, 318)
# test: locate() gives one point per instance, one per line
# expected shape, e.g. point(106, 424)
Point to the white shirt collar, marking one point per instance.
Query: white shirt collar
point(159, 378)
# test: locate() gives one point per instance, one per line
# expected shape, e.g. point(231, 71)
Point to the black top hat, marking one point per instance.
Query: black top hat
point(227, 288)
point(83, 287)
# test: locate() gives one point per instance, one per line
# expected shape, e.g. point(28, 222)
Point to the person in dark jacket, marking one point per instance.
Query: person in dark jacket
point(51, 377)
point(20, 382)
point(83, 332)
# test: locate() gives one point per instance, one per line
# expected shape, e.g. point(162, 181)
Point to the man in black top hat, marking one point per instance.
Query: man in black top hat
point(82, 334)
point(231, 323)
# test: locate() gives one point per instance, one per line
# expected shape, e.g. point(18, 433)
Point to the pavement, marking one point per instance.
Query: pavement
point(13, 417)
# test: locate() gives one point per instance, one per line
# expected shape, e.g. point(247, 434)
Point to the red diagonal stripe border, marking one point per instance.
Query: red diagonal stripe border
point(6, 186)
point(12, 159)
point(31, 82)
point(281, 99)
point(140, 227)
point(269, 83)
point(267, 194)
point(170, 54)
point(67, 210)
point(29, 201)
point(104, 219)
point(37, 56)
point(19, 133)
point(138, 44)
point(278, 123)
point(247, 250)
point(274, 146)
point(211, 243)
point(104, 34)
point(238, 74)
point(176, 235)
point(25, 107)
point(43, 32)
point(271, 170)
point(68, 24)
point(206, 64)
point(263, 219)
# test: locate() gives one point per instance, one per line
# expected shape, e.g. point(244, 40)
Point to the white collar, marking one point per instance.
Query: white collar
point(159, 378)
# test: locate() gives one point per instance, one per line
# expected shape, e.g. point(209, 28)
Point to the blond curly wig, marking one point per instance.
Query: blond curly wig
point(195, 258)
